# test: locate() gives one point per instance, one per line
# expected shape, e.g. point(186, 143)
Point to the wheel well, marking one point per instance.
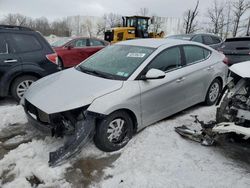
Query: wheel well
point(220, 79)
point(20, 75)
point(132, 115)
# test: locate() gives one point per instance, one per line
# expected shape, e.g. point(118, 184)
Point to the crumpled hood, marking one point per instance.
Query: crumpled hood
point(241, 69)
point(68, 90)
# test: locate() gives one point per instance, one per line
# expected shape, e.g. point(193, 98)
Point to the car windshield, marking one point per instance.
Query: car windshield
point(116, 62)
point(60, 42)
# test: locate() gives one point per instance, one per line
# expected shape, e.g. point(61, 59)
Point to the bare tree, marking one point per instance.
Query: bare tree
point(112, 20)
point(88, 27)
point(216, 17)
point(15, 19)
point(239, 8)
point(189, 19)
point(156, 24)
point(42, 25)
point(228, 14)
point(60, 28)
point(248, 28)
point(101, 27)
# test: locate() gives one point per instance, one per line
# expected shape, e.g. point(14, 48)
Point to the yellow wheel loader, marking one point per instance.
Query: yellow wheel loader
point(133, 27)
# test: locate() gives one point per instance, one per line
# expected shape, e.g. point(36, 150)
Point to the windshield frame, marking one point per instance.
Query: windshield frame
point(113, 76)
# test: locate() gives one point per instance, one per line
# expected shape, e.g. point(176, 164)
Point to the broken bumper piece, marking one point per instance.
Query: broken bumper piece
point(209, 132)
point(84, 132)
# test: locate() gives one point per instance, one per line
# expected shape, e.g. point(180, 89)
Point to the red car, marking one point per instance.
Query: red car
point(72, 51)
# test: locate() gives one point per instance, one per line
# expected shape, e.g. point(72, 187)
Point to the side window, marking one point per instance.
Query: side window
point(195, 53)
point(25, 43)
point(79, 43)
point(216, 40)
point(167, 60)
point(3, 45)
point(208, 40)
point(197, 38)
point(93, 42)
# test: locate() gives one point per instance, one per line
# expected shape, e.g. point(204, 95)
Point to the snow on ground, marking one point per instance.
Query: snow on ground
point(155, 157)
point(158, 157)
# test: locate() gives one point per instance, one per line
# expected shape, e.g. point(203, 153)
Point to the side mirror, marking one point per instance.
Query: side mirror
point(69, 47)
point(154, 74)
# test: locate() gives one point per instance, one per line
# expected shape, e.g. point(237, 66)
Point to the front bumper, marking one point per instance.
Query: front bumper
point(82, 130)
point(46, 128)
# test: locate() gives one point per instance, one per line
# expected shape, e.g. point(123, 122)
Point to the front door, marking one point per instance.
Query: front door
point(163, 97)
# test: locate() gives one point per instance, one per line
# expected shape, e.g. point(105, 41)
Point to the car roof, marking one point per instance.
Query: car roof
point(156, 43)
point(15, 28)
point(193, 34)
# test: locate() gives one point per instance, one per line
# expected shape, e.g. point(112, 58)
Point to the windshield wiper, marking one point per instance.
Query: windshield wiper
point(96, 73)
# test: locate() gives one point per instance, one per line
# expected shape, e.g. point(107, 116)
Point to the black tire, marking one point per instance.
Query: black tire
point(102, 137)
point(17, 82)
point(211, 101)
point(60, 63)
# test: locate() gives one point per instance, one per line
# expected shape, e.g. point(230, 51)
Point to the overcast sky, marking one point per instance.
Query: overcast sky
point(53, 9)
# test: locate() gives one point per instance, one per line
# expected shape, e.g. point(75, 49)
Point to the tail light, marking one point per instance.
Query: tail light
point(53, 58)
point(226, 61)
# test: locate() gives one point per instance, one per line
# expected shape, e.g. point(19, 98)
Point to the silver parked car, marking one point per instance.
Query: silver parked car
point(122, 89)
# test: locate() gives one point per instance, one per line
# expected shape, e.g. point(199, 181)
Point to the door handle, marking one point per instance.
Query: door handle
point(180, 79)
point(10, 61)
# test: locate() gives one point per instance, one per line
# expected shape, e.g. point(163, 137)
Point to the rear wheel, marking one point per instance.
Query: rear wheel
point(114, 131)
point(213, 92)
point(20, 86)
point(60, 63)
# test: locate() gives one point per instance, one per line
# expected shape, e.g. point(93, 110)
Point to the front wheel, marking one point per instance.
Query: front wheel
point(114, 131)
point(213, 92)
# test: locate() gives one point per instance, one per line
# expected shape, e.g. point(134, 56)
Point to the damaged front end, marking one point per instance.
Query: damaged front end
point(232, 115)
point(76, 125)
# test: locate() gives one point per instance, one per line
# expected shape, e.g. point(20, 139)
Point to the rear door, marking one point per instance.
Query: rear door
point(199, 72)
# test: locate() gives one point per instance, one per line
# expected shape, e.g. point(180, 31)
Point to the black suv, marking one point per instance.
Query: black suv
point(208, 39)
point(236, 49)
point(25, 56)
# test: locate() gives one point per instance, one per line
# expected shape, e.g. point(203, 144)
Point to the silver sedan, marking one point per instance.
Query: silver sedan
point(122, 89)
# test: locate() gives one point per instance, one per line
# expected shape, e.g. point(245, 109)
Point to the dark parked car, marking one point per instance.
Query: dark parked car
point(25, 56)
point(72, 51)
point(236, 49)
point(208, 39)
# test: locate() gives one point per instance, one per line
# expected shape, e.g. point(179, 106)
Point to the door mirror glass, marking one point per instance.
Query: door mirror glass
point(154, 74)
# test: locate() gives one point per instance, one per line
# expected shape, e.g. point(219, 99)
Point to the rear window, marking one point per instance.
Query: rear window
point(216, 40)
point(208, 40)
point(195, 54)
point(25, 43)
point(234, 44)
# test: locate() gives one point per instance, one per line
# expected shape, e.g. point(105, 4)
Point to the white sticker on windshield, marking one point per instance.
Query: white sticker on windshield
point(139, 55)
